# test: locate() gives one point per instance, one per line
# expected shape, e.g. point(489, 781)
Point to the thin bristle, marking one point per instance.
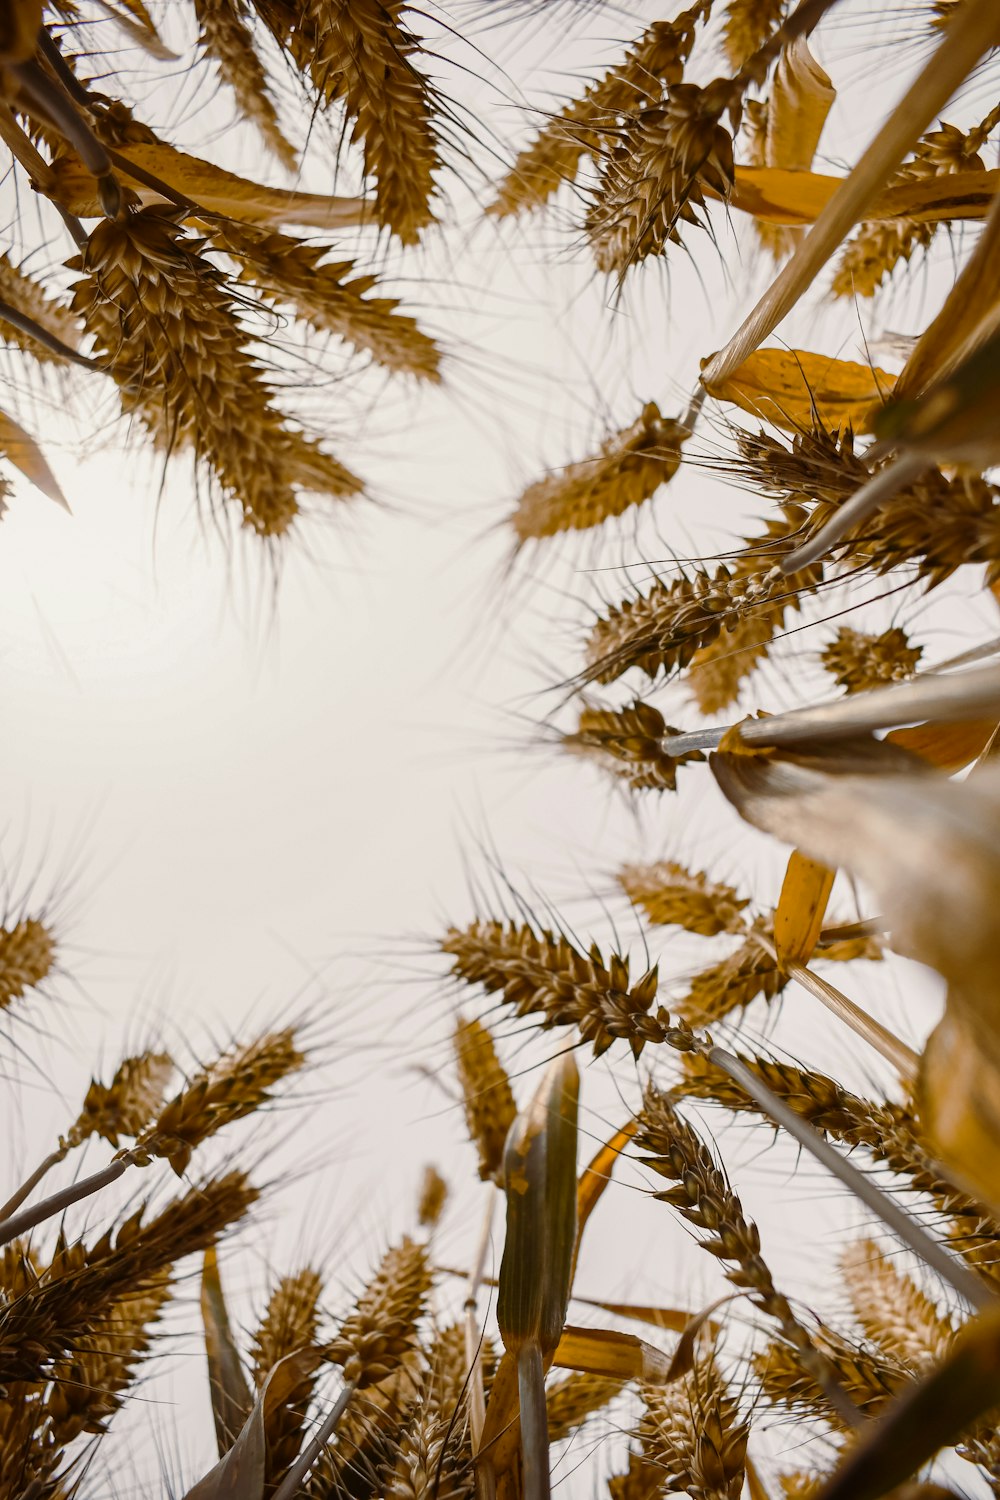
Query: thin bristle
point(653, 63)
point(486, 1094)
point(360, 55)
point(238, 1083)
point(380, 1332)
point(27, 957)
point(168, 335)
point(671, 895)
point(331, 297)
point(126, 1105)
point(25, 295)
point(627, 742)
point(857, 661)
point(893, 1311)
point(227, 38)
point(692, 1439)
point(542, 972)
point(628, 470)
point(82, 1284)
point(574, 1398)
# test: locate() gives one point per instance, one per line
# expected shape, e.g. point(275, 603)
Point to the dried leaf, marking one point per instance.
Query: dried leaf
point(605, 1351)
point(785, 195)
point(24, 453)
point(798, 917)
point(947, 745)
point(231, 1398)
point(793, 388)
point(208, 187)
point(240, 1475)
point(800, 100)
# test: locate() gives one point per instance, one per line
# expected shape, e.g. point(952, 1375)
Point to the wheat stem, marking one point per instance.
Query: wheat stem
point(17, 319)
point(289, 1486)
point(18, 1224)
point(885, 1042)
point(965, 1283)
point(976, 28)
point(30, 1183)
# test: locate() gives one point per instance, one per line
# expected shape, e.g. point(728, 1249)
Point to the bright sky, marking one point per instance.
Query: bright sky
point(248, 804)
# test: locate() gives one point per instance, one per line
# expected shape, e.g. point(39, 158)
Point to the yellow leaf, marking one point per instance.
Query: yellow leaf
point(949, 745)
point(789, 386)
point(960, 1099)
point(782, 195)
point(24, 453)
point(801, 98)
point(673, 1318)
point(605, 1351)
point(209, 187)
point(798, 917)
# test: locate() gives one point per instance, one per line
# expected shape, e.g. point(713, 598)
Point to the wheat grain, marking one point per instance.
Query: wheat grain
point(27, 957)
point(733, 982)
point(380, 1332)
point(574, 1398)
point(655, 61)
point(627, 742)
point(654, 178)
point(125, 1105)
point(237, 1083)
point(290, 1321)
point(629, 469)
point(27, 296)
point(705, 1200)
point(81, 1284)
point(432, 1198)
point(673, 896)
point(331, 297)
point(892, 1309)
point(227, 38)
point(871, 1382)
point(167, 333)
point(692, 1437)
point(359, 54)
point(858, 661)
point(486, 1094)
point(543, 973)
point(747, 26)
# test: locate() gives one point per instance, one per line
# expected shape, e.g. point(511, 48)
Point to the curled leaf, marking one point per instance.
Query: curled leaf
point(793, 389)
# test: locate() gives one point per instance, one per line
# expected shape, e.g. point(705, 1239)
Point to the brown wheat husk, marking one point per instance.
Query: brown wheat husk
point(227, 38)
point(672, 895)
point(28, 296)
point(692, 1439)
point(486, 1094)
point(858, 661)
point(893, 1311)
point(27, 957)
point(377, 1335)
point(126, 1105)
point(627, 742)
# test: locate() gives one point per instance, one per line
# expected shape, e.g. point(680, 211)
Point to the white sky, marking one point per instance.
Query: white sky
point(263, 808)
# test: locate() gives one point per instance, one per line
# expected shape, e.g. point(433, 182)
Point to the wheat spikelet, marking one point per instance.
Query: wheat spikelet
point(87, 1390)
point(858, 661)
point(226, 38)
point(663, 630)
point(747, 26)
point(236, 1084)
point(627, 742)
point(167, 332)
point(289, 1322)
point(733, 982)
point(27, 957)
point(892, 1310)
point(718, 668)
point(125, 1105)
point(879, 245)
point(50, 1317)
point(574, 1398)
point(655, 177)
point(692, 1437)
point(429, 1463)
point(705, 1200)
point(655, 60)
point(673, 896)
point(381, 1330)
point(486, 1094)
point(543, 973)
point(629, 469)
point(359, 54)
point(26, 296)
point(331, 298)
point(870, 1381)
point(888, 1131)
point(432, 1198)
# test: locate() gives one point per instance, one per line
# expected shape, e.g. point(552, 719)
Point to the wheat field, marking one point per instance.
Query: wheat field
point(683, 330)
